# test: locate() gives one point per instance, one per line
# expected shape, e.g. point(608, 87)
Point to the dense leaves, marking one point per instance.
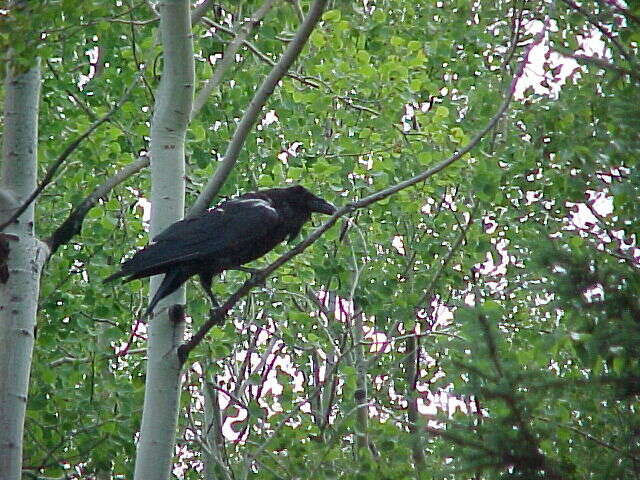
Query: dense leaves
point(484, 324)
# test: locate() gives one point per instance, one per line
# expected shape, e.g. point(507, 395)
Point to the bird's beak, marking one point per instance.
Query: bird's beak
point(322, 206)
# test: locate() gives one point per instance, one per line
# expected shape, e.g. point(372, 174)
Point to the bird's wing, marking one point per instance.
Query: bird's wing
point(223, 224)
point(217, 232)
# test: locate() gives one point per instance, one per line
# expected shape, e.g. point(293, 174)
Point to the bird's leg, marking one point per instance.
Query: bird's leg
point(205, 281)
point(262, 282)
point(216, 313)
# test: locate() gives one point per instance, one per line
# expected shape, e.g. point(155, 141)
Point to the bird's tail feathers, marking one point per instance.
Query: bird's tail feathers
point(170, 283)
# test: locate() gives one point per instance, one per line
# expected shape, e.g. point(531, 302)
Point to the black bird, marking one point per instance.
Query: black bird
point(225, 237)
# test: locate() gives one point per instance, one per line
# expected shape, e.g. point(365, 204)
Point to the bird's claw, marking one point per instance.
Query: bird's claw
point(259, 279)
point(217, 314)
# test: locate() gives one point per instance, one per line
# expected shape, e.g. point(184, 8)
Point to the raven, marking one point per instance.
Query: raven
point(225, 237)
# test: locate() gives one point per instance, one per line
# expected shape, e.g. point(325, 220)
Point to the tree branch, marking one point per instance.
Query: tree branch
point(196, 16)
point(454, 248)
point(598, 62)
point(297, 8)
point(65, 154)
point(199, 12)
point(259, 278)
point(622, 11)
point(73, 224)
point(63, 360)
point(229, 56)
point(594, 21)
point(305, 80)
point(261, 55)
point(255, 106)
point(81, 103)
point(587, 436)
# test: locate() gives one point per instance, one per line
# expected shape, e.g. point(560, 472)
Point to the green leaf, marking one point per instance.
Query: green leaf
point(331, 15)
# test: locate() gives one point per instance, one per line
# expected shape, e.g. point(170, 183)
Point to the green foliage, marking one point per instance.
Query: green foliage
point(541, 346)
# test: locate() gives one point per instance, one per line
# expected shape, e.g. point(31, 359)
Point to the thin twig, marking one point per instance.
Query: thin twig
point(81, 103)
point(229, 57)
point(255, 107)
point(305, 80)
point(586, 435)
point(449, 256)
point(594, 21)
point(297, 8)
point(196, 15)
point(598, 62)
point(622, 11)
point(73, 224)
point(63, 360)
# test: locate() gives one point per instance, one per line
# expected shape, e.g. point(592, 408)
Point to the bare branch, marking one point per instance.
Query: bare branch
point(255, 106)
point(598, 62)
point(305, 80)
point(594, 21)
point(73, 224)
point(261, 364)
point(65, 154)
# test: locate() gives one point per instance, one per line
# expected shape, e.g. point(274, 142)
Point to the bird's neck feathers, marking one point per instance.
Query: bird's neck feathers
point(280, 199)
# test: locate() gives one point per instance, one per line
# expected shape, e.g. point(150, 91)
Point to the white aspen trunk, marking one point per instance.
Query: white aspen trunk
point(171, 115)
point(26, 256)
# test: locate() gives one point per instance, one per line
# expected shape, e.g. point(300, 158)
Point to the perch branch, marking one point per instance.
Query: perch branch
point(259, 278)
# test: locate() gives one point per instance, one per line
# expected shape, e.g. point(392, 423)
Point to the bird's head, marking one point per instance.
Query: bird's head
point(312, 203)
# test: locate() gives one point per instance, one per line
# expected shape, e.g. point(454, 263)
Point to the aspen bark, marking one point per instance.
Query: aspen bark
point(22, 256)
point(166, 331)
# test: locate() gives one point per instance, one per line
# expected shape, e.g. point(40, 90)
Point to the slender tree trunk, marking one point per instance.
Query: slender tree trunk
point(168, 128)
point(214, 464)
point(101, 364)
point(22, 256)
point(413, 415)
point(362, 416)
